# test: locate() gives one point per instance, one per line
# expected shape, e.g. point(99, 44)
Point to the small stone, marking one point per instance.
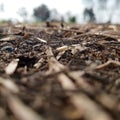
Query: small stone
point(36, 47)
point(7, 48)
point(30, 42)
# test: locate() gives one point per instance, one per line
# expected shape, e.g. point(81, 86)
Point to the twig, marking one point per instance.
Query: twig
point(41, 40)
point(20, 110)
point(107, 64)
point(39, 63)
point(55, 66)
point(9, 85)
point(10, 69)
point(91, 109)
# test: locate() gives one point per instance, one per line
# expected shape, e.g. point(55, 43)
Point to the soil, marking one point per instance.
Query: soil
point(60, 72)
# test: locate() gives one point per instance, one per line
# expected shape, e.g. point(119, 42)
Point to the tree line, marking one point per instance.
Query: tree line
point(94, 11)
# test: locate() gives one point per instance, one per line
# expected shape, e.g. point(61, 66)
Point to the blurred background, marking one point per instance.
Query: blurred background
point(77, 11)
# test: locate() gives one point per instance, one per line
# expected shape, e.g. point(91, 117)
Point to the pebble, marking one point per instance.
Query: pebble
point(37, 46)
point(7, 48)
point(30, 42)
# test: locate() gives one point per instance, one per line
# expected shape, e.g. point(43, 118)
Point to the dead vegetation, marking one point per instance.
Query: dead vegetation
point(60, 72)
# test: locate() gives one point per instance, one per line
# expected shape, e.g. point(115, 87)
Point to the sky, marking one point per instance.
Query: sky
point(75, 7)
point(11, 7)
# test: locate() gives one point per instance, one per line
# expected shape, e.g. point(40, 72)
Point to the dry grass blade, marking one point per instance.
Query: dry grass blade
point(55, 66)
point(80, 81)
point(9, 38)
point(3, 115)
point(9, 85)
point(73, 48)
point(91, 109)
point(77, 47)
point(20, 110)
point(53, 63)
point(107, 64)
point(59, 55)
point(61, 51)
point(103, 98)
point(107, 101)
point(10, 69)
point(63, 48)
point(81, 101)
point(66, 82)
point(41, 40)
point(39, 63)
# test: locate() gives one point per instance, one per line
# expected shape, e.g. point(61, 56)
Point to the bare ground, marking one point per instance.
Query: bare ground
point(57, 72)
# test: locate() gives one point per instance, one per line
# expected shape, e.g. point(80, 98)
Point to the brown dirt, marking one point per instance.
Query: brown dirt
point(60, 73)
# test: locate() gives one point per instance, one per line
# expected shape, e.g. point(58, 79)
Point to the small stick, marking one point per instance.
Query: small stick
point(107, 64)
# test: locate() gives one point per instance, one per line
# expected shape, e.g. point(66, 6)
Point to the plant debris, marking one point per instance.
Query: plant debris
point(60, 72)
